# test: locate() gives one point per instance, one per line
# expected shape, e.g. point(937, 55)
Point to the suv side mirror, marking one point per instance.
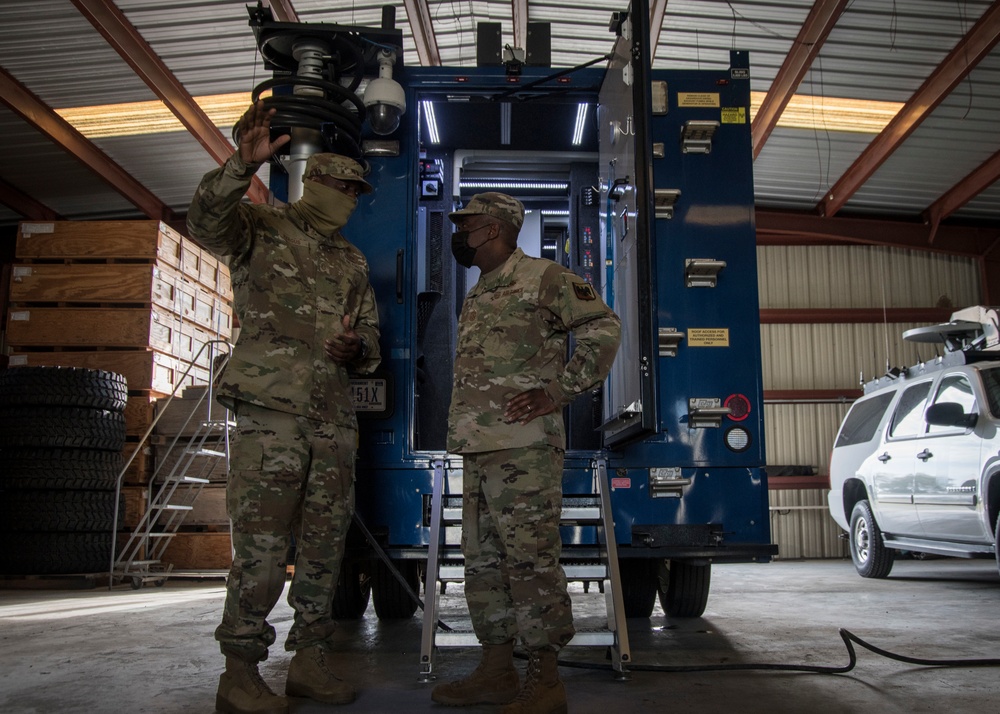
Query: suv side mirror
point(949, 414)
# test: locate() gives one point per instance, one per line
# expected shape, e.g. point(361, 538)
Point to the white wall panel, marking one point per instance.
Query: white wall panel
point(802, 527)
point(802, 434)
point(799, 277)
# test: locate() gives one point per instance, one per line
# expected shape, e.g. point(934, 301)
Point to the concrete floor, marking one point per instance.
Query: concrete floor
point(152, 650)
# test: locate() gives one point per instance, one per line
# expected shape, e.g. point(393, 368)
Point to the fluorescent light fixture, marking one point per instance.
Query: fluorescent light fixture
point(554, 213)
point(432, 125)
point(581, 120)
point(515, 185)
point(138, 118)
point(857, 116)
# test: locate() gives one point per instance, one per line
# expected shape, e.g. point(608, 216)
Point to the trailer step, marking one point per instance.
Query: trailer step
point(443, 566)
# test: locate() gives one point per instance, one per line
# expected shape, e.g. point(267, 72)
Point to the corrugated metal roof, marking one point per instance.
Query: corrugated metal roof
point(878, 49)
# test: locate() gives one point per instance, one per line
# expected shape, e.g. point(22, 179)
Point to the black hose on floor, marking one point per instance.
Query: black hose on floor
point(848, 637)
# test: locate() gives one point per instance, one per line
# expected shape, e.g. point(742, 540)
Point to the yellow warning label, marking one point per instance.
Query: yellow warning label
point(708, 337)
point(734, 115)
point(697, 99)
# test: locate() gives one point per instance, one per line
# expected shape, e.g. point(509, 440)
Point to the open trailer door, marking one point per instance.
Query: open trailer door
point(626, 200)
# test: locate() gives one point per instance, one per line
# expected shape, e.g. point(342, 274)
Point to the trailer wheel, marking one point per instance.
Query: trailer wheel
point(639, 586)
point(684, 588)
point(354, 589)
point(871, 558)
point(390, 598)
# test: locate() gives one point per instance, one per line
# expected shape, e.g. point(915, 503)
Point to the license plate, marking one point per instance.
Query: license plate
point(369, 395)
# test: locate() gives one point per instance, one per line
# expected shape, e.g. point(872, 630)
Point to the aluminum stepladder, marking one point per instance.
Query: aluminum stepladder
point(605, 570)
point(139, 560)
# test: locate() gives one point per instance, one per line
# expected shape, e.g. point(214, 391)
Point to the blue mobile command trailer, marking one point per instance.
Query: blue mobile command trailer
point(650, 199)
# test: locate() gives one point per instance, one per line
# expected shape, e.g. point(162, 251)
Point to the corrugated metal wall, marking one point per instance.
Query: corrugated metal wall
point(834, 356)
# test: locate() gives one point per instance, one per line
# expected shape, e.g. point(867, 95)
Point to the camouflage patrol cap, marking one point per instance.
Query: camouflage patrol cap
point(337, 166)
point(498, 205)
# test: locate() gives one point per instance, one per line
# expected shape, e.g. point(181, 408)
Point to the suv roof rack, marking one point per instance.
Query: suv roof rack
point(972, 335)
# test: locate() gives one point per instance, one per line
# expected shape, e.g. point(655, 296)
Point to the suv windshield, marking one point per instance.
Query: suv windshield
point(991, 385)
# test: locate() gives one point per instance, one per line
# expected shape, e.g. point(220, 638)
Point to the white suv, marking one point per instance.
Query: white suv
point(916, 463)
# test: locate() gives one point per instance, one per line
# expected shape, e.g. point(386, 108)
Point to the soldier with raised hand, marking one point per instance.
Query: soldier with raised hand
point(512, 379)
point(308, 320)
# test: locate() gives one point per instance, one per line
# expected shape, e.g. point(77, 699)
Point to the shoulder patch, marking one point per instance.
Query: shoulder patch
point(584, 291)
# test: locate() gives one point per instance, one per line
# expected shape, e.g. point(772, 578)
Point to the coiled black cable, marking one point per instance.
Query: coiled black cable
point(338, 113)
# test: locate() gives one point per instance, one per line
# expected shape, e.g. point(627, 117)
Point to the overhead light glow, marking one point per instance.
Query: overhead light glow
point(515, 185)
point(432, 125)
point(581, 120)
point(138, 118)
point(857, 116)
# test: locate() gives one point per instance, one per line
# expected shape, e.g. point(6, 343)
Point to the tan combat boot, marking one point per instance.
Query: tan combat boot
point(309, 675)
point(543, 692)
point(243, 691)
point(494, 681)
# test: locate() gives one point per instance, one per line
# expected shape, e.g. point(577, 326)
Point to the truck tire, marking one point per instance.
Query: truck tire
point(61, 427)
point(391, 600)
point(54, 553)
point(354, 589)
point(64, 387)
point(871, 558)
point(639, 586)
point(76, 469)
point(684, 588)
point(56, 511)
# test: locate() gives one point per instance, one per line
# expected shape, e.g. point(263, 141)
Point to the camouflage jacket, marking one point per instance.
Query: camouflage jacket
point(291, 289)
point(512, 336)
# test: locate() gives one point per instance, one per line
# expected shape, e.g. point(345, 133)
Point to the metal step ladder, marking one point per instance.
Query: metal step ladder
point(603, 568)
point(140, 560)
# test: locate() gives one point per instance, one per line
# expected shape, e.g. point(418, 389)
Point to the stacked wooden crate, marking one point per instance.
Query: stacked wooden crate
point(133, 297)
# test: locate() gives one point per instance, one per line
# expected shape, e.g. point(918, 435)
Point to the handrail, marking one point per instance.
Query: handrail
point(210, 345)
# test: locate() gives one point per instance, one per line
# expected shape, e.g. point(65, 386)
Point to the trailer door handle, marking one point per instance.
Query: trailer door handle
point(884, 457)
point(399, 276)
point(924, 455)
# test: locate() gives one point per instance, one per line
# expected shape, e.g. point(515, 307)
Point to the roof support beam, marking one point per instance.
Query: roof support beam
point(283, 11)
point(786, 228)
point(30, 108)
point(813, 33)
point(962, 192)
point(854, 316)
point(976, 44)
point(25, 205)
point(105, 16)
point(519, 13)
point(419, 18)
point(657, 9)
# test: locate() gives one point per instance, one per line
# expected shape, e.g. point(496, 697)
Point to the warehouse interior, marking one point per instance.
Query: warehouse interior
point(876, 210)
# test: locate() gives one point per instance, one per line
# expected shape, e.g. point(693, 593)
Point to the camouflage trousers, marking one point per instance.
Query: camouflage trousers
point(287, 475)
point(514, 585)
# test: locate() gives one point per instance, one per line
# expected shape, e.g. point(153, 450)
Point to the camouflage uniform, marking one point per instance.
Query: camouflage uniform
point(292, 457)
point(512, 337)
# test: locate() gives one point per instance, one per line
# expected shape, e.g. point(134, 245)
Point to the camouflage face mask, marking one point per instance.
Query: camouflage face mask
point(325, 209)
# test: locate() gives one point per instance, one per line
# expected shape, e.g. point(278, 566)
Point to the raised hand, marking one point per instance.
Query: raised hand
point(255, 135)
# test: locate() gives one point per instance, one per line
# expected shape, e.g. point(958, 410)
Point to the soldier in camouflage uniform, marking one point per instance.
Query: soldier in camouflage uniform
point(308, 318)
point(511, 382)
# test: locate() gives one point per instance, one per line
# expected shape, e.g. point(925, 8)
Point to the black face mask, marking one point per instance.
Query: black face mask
point(465, 254)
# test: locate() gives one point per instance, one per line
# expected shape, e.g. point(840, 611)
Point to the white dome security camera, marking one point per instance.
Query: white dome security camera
point(384, 97)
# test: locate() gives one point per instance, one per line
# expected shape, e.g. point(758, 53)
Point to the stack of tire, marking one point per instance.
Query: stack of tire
point(62, 430)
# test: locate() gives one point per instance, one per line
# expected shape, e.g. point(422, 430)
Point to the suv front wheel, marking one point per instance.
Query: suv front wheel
point(871, 558)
